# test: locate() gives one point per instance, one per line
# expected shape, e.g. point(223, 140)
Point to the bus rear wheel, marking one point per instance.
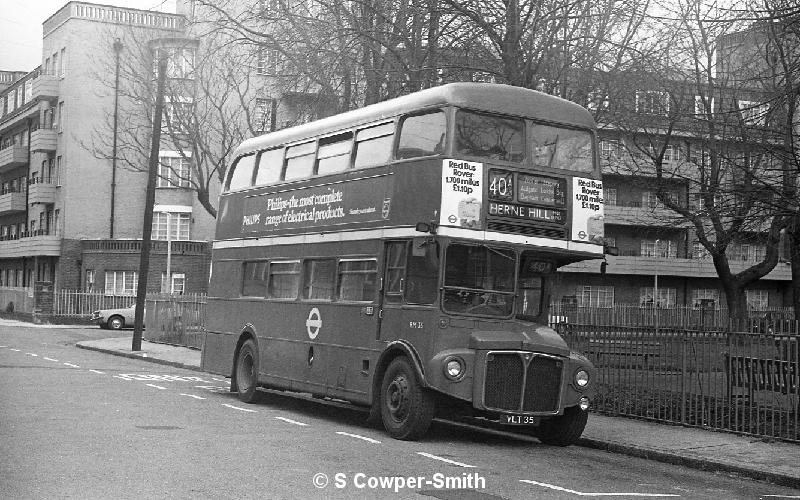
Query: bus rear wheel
point(247, 372)
point(406, 407)
point(563, 430)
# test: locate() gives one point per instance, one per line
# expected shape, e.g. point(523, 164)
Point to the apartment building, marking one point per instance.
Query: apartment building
point(70, 213)
point(660, 258)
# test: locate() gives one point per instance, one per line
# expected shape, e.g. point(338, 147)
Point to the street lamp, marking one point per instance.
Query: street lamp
point(117, 50)
point(655, 288)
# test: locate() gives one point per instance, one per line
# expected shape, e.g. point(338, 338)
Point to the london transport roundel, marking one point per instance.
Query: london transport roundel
point(313, 323)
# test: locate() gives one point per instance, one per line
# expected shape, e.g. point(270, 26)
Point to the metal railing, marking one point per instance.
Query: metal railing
point(176, 319)
point(742, 379)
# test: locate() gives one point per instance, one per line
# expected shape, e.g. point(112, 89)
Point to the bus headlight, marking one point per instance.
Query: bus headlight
point(581, 379)
point(454, 368)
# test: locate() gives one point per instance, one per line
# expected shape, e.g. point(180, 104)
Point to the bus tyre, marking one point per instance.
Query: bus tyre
point(565, 429)
point(406, 407)
point(247, 372)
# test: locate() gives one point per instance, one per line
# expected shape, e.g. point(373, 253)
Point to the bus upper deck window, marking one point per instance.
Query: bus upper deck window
point(270, 164)
point(422, 135)
point(374, 145)
point(489, 136)
point(242, 174)
point(300, 161)
point(334, 153)
point(564, 148)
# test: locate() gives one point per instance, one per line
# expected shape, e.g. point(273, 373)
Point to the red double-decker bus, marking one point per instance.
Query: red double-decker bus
point(401, 257)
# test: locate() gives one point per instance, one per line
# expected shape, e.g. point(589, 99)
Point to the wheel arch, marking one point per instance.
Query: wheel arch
point(248, 333)
point(394, 350)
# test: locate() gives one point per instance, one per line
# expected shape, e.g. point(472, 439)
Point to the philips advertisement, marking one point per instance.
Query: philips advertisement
point(587, 210)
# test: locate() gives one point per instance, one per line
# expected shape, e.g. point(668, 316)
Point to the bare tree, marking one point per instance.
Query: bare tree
point(209, 105)
point(731, 171)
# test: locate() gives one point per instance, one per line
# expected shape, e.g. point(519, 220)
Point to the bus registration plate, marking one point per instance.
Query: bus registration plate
point(519, 419)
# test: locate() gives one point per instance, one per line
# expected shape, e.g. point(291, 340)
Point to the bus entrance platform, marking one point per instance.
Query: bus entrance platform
point(747, 456)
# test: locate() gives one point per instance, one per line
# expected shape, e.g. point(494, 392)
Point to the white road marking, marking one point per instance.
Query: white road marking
point(369, 440)
point(15, 350)
point(3, 346)
point(121, 378)
point(584, 494)
point(780, 496)
point(453, 462)
point(218, 379)
point(192, 396)
point(51, 359)
point(295, 422)
point(32, 354)
point(156, 386)
point(238, 408)
point(97, 371)
point(70, 364)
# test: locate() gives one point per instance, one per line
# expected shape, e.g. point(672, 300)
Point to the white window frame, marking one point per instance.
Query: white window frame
point(595, 296)
point(121, 282)
point(664, 249)
point(652, 102)
point(699, 294)
point(757, 300)
point(174, 170)
point(177, 284)
point(180, 224)
point(667, 297)
point(753, 112)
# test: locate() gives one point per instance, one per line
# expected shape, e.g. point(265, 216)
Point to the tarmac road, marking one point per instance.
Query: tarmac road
point(83, 424)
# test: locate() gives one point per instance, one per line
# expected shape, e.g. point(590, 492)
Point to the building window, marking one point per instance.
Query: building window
point(180, 62)
point(609, 149)
point(705, 297)
point(699, 252)
point(753, 113)
point(262, 115)
point(267, 61)
point(611, 196)
point(595, 296)
point(757, 299)
point(700, 106)
point(174, 172)
point(121, 282)
point(652, 102)
point(666, 297)
point(176, 285)
point(658, 248)
point(178, 117)
point(177, 222)
point(597, 100)
point(89, 286)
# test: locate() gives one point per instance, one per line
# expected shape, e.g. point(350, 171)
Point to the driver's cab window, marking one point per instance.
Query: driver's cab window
point(479, 280)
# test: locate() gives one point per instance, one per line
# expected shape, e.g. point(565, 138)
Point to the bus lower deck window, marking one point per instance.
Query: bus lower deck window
point(357, 280)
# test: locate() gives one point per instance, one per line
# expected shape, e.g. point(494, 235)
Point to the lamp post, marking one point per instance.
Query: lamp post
point(117, 50)
point(655, 288)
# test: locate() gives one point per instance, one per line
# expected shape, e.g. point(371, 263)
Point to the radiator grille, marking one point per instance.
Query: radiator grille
point(503, 381)
point(504, 378)
point(543, 384)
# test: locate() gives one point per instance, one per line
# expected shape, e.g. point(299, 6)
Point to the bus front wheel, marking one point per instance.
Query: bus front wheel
point(247, 372)
point(563, 430)
point(406, 407)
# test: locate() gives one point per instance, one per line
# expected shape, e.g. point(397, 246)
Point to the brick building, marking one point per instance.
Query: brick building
point(68, 212)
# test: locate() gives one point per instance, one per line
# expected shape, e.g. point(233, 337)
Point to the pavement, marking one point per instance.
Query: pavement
point(766, 460)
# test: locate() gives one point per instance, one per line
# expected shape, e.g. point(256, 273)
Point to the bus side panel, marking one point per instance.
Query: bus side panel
point(217, 355)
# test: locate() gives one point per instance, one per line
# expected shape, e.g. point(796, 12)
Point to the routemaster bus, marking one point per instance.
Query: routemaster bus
point(401, 257)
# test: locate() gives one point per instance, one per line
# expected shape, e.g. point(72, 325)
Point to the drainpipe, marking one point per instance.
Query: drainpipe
point(117, 49)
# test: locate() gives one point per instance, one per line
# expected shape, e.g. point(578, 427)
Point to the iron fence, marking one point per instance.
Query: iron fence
point(743, 379)
point(73, 303)
point(176, 319)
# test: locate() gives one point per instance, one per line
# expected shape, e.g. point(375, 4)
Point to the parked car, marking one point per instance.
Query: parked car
point(115, 319)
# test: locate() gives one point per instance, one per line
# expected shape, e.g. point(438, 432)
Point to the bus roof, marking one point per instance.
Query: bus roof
point(490, 97)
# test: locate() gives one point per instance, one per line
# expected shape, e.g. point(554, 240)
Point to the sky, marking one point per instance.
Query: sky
point(21, 27)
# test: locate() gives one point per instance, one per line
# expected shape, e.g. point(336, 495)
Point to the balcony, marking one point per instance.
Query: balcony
point(44, 139)
point(12, 157)
point(46, 87)
point(12, 202)
point(642, 216)
point(41, 192)
point(34, 244)
point(670, 266)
